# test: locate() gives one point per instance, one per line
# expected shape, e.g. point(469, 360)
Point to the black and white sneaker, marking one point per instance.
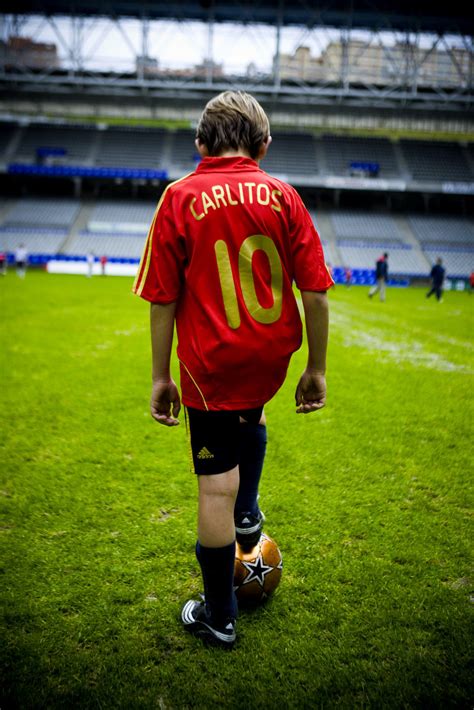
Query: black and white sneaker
point(248, 528)
point(196, 620)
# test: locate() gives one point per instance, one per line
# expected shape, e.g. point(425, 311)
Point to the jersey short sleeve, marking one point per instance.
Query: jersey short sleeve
point(309, 267)
point(160, 275)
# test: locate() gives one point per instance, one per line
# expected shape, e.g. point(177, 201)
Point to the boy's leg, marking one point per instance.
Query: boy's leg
point(248, 517)
point(217, 494)
point(214, 444)
point(253, 445)
point(215, 549)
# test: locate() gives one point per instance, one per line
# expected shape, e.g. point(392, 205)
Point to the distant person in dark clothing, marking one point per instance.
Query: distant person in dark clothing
point(471, 282)
point(381, 275)
point(437, 278)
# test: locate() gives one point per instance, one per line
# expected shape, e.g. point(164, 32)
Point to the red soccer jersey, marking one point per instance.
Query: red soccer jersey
point(227, 242)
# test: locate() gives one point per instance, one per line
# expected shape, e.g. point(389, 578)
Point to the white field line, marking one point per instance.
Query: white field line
point(403, 348)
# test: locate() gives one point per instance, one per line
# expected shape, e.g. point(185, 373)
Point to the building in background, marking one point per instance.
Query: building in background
point(357, 61)
point(23, 52)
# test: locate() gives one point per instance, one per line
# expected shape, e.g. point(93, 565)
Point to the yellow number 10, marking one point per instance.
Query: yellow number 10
point(252, 244)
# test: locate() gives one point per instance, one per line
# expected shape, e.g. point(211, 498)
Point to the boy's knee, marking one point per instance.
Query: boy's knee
point(221, 485)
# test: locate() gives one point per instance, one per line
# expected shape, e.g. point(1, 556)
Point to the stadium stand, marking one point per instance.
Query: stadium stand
point(470, 153)
point(123, 217)
point(440, 161)
point(458, 263)
point(402, 258)
point(451, 238)
point(350, 238)
point(454, 231)
point(7, 131)
point(131, 148)
point(115, 247)
point(353, 238)
point(183, 151)
point(42, 213)
point(41, 224)
point(38, 241)
point(341, 151)
point(361, 225)
point(117, 228)
point(76, 141)
point(294, 154)
point(362, 236)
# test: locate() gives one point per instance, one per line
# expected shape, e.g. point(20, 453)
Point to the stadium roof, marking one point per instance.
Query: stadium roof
point(422, 16)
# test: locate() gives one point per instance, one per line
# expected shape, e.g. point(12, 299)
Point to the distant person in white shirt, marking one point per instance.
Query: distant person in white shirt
point(90, 264)
point(21, 260)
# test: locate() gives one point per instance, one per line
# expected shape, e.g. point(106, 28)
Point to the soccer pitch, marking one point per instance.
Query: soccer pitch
point(370, 501)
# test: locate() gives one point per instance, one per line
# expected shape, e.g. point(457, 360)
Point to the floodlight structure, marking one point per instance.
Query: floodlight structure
point(358, 54)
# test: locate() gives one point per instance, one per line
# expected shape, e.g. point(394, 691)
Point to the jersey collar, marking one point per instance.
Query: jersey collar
point(225, 164)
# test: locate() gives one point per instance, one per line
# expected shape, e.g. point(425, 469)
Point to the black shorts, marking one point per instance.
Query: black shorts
point(215, 438)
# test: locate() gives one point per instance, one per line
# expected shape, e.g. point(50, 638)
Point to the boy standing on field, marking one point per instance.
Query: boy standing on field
point(224, 247)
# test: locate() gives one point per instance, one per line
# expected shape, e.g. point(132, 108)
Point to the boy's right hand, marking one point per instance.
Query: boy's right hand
point(310, 394)
point(165, 402)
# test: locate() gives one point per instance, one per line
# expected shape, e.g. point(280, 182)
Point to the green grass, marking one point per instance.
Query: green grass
point(369, 500)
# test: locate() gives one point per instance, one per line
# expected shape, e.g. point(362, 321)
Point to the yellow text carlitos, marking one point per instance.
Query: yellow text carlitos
point(221, 196)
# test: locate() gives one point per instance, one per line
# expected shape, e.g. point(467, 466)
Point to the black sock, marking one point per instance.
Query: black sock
point(217, 567)
point(253, 443)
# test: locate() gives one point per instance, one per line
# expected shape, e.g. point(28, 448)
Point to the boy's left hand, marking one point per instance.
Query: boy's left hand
point(165, 402)
point(310, 393)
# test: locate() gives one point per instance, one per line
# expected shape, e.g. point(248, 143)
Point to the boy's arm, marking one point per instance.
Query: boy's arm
point(311, 390)
point(165, 401)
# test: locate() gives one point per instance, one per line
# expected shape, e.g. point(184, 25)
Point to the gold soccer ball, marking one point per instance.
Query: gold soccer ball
point(257, 572)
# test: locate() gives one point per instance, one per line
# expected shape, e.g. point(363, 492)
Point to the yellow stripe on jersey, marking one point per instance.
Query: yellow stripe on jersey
point(144, 266)
point(196, 386)
point(144, 258)
point(188, 439)
point(329, 273)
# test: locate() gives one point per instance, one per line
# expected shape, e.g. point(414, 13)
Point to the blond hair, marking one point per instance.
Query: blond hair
point(233, 120)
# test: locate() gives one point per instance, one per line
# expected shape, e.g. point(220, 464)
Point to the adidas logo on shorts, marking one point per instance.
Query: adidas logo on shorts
point(205, 454)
